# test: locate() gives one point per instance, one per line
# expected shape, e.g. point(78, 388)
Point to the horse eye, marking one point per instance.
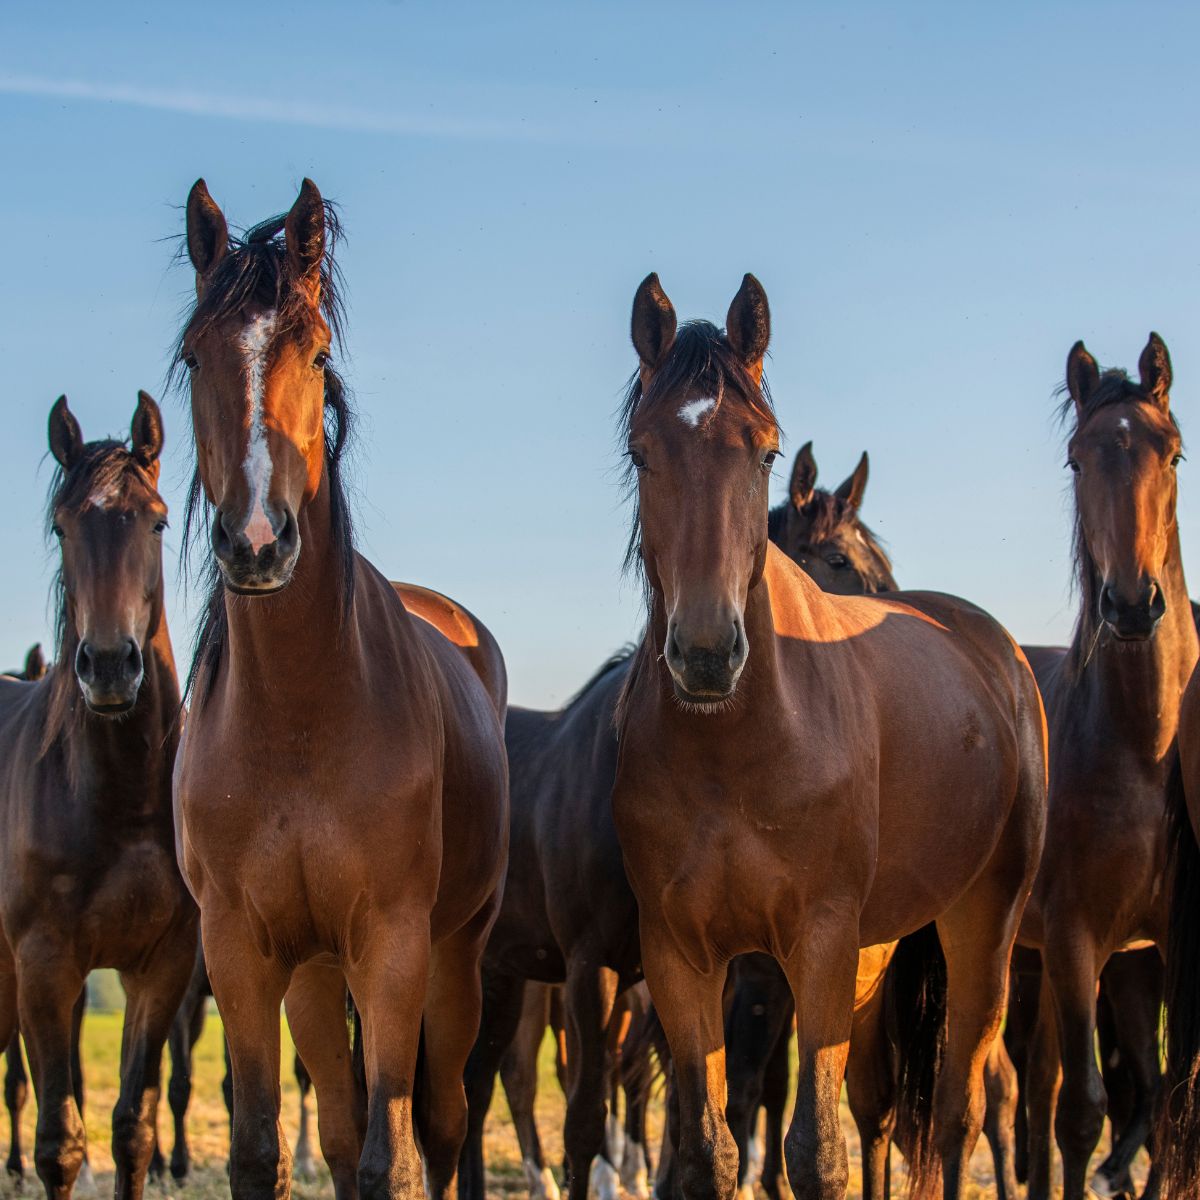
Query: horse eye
point(1177, 460)
point(638, 461)
point(839, 562)
point(57, 530)
point(321, 359)
point(769, 458)
point(160, 526)
point(191, 361)
point(1073, 465)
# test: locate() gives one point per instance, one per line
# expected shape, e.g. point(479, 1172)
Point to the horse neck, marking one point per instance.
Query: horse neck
point(129, 758)
point(288, 637)
point(1139, 686)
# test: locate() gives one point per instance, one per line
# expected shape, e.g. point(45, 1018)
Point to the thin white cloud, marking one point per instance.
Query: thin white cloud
point(285, 112)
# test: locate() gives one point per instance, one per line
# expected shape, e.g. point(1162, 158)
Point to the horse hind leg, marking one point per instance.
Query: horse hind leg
point(871, 1092)
point(16, 1094)
point(85, 1185)
point(774, 1104)
point(452, 1014)
point(316, 1013)
point(304, 1166)
point(500, 1016)
point(999, 1124)
point(588, 1004)
point(518, 1073)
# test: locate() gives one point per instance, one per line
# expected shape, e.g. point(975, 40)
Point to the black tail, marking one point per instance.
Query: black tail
point(915, 998)
point(645, 1055)
point(1179, 1132)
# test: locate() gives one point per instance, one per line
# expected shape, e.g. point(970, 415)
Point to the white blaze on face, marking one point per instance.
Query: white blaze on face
point(255, 342)
point(691, 412)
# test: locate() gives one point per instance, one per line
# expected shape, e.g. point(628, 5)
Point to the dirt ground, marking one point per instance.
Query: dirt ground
point(209, 1133)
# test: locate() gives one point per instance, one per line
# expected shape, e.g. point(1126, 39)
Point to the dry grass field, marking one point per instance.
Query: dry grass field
point(210, 1140)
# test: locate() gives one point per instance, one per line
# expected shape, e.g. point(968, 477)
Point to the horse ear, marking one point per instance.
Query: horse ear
point(1082, 374)
point(748, 325)
point(146, 430)
point(207, 233)
point(1154, 367)
point(851, 491)
point(35, 662)
point(304, 231)
point(653, 324)
point(66, 441)
point(804, 476)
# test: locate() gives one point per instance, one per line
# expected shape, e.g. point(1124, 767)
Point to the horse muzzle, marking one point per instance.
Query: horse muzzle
point(1133, 621)
point(256, 570)
point(109, 676)
point(705, 668)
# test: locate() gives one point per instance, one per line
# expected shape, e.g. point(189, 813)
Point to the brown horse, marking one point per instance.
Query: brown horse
point(341, 790)
point(803, 774)
point(1112, 702)
point(88, 876)
point(1179, 1131)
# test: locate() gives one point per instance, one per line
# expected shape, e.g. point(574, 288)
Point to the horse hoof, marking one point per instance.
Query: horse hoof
point(541, 1182)
point(1101, 1186)
point(635, 1174)
point(603, 1181)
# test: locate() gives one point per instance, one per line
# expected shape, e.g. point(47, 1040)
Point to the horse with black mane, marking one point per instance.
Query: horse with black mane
point(803, 774)
point(1112, 701)
point(374, 858)
point(88, 873)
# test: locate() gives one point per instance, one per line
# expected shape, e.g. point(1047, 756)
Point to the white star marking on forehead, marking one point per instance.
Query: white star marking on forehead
point(691, 412)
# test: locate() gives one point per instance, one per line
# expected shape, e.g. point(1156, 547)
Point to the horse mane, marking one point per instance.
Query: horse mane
point(700, 358)
point(1115, 387)
point(256, 271)
point(107, 465)
point(615, 660)
point(826, 514)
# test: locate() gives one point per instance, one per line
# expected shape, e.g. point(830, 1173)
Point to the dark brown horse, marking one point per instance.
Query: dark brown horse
point(1112, 702)
point(803, 774)
point(88, 876)
point(1179, 1129)
point(341, 791)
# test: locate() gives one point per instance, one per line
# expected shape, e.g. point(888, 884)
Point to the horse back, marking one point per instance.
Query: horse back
point(465, 632)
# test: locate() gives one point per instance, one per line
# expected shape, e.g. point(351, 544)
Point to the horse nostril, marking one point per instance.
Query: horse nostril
point(222, 541)
point(133, 659)
point(737, 653)
point(289, 534)
point(85, 666)
point(1158, 601)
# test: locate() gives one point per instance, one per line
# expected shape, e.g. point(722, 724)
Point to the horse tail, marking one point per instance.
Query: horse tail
point(915, 1003)
point(645, 1055)
point(1179, 1118)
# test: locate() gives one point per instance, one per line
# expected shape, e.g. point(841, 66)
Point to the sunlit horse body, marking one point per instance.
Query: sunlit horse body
point(802, 774)
point(341, 791)
point(1112, 702)
point(88, 876)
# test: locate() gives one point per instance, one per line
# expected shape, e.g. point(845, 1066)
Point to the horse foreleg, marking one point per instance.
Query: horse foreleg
point(1071, 967)
point(49, 984)
point(316, 1013)
point(689, 1005)
point(871, 1092)
point(249, 990)
point(774, 1104)
point(823, 972)
point(186, 1029)
point(152, 998)
point(587, 1007)
point(518, 1073)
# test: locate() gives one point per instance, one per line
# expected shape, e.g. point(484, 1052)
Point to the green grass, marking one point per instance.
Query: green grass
point(209, 1131)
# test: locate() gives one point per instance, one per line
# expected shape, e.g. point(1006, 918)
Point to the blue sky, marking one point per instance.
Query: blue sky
point(939, 199)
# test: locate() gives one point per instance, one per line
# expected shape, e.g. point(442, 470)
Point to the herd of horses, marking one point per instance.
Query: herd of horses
point(805, 802)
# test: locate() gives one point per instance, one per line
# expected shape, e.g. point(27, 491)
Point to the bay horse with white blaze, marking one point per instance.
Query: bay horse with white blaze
point(1112, 702)
point(803, 774)
point(341, 790)
point(88, 874)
